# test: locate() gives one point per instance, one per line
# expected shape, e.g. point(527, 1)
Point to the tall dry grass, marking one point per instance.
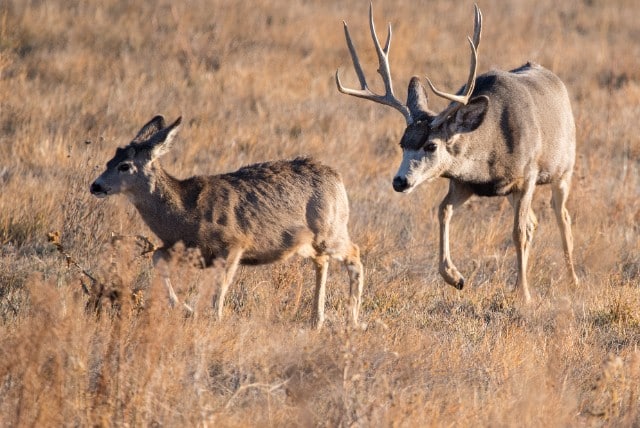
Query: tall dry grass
point(254, 81)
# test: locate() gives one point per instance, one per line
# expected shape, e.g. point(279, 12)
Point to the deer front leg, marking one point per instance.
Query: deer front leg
point(532, 224)
point(457, 196)
point(160, 263)
point(231, 265)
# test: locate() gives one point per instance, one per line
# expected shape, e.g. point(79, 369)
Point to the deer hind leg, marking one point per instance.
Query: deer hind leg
point(457, 196)
point(160, 263)
point(532, 225)
point(356, 281)
point(322, 266)
point(524, 225)
point(231, 266)
point(560, 192)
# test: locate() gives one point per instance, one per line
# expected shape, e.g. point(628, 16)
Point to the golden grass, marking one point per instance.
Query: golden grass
point(254, 81)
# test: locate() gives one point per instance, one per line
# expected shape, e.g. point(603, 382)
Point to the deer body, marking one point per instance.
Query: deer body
point(259, 214)
point(271, 210)
point(527, 132)
point(502, 134)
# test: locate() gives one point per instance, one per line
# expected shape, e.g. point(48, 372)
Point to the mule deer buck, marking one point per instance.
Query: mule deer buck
point(259, 214)
point(502, 134)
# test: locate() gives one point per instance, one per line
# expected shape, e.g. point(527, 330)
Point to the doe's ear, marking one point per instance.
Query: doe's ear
point(147, 131)
point(470, 116)
point(162, 140)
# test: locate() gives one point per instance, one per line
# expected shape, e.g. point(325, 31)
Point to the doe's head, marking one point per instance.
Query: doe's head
point(129, 168)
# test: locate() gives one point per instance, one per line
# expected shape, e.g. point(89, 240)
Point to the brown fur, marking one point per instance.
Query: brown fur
point(258, 214)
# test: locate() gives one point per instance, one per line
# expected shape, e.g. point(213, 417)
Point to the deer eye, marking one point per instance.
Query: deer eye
point(124, 167)
point(430, 147)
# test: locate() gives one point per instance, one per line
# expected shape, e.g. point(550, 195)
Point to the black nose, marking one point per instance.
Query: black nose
point(96, 188)
point(400, 184)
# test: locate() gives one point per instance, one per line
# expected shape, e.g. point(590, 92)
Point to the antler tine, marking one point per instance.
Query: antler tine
point(383, 54)
point(471, 82)
point(473, 67)
point(354, 58)
point(477, 26)
point(383, 59)
point(477, 32)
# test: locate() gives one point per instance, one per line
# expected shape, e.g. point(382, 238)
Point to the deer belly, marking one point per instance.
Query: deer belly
point(264, 257)
point(303, 248)
point(493, 187)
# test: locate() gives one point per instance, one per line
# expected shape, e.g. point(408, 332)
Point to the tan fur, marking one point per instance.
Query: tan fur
point(259, 214)
point(503, 133)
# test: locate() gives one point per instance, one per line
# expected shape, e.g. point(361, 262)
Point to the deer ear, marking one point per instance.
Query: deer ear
point(417, 99)
point(162, 140)
point(470, 116)
point(147, 131)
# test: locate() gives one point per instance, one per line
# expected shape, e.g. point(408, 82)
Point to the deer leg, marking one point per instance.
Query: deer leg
point(523, 227)
point(356, 279)
point(231, 266)
point(322, 266)
point(532, 225)
point(160, 263)
point(560, 192)
point(457, 196)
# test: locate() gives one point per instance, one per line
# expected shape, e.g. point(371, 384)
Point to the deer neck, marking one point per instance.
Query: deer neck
point(161, 206)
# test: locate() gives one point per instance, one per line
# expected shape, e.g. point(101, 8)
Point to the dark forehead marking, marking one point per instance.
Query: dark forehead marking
point(122, 153)
point(415, 136)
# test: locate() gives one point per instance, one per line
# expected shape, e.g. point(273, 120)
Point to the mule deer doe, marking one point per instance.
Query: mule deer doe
point(502, 134)
point(259, 214)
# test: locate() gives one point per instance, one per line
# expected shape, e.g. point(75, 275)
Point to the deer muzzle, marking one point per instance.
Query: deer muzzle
point(98, 190)
point(400, 184)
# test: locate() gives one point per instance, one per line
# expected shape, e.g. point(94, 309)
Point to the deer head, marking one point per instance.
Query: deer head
point(129, 169)
point(428, 135)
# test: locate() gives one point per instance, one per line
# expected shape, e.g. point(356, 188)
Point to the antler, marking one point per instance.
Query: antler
point(464, 99)
point(388, 98)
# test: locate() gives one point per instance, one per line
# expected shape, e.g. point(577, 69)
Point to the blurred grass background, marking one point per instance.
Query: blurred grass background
point(255, 81)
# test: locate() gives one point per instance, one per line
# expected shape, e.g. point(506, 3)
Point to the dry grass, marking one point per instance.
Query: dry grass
point(254, 81)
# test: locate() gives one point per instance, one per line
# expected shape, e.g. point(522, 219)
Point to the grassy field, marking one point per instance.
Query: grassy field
point(254, 81)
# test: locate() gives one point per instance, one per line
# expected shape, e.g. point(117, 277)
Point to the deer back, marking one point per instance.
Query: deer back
point(527, 129)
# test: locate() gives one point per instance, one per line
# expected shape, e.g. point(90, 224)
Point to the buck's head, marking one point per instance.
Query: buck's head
point(130, 169)
point(428, 143)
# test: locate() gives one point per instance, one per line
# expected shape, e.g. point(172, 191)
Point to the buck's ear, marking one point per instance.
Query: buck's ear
point(162, 140)
point(147, 131)
point(469, 117)
point(417, 99)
